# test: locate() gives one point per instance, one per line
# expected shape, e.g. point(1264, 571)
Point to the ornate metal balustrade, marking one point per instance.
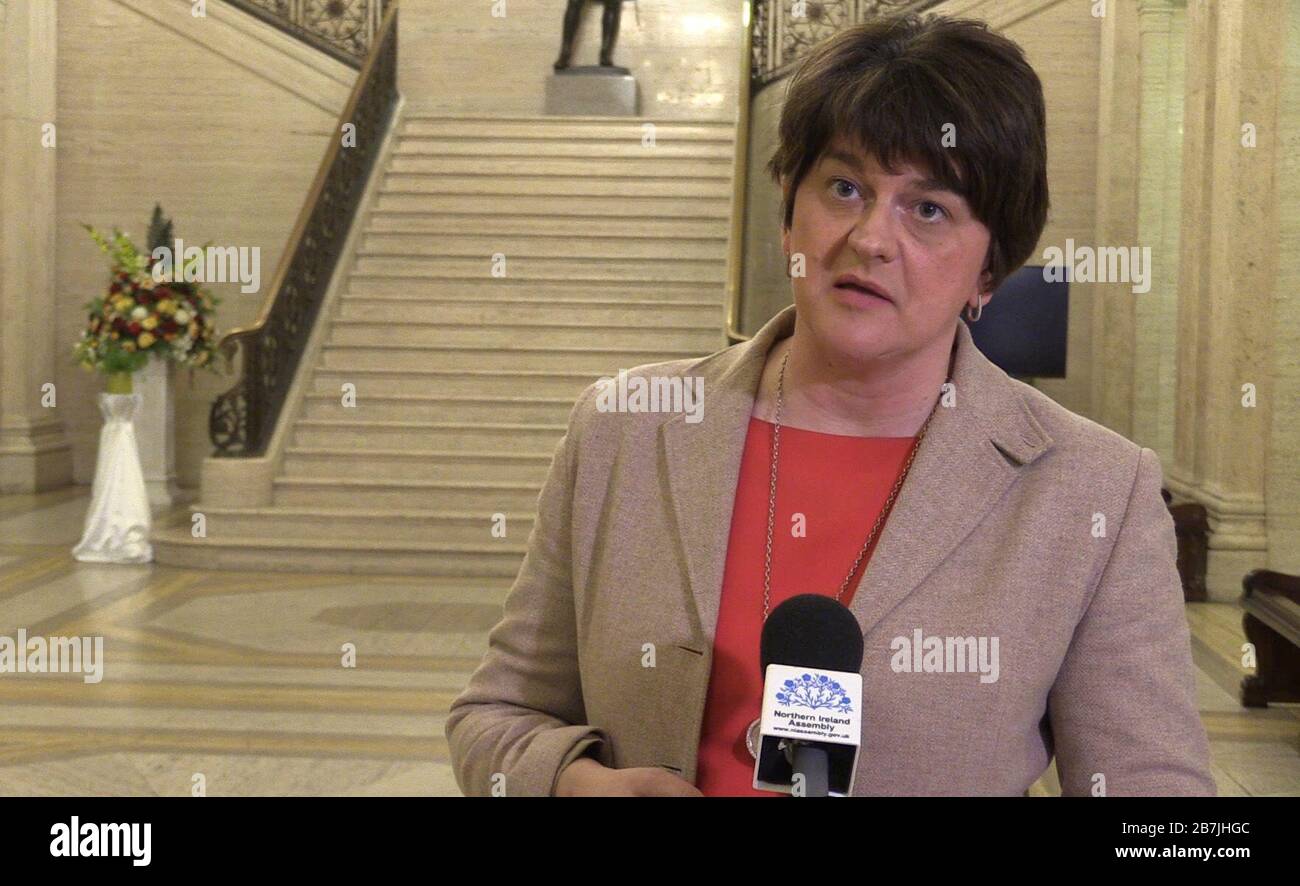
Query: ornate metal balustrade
point(242, 419)
point(784, 30)
point(345, 29)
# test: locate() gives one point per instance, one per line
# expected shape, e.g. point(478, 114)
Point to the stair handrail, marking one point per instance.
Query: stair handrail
point(241, 419)
point(740, 181)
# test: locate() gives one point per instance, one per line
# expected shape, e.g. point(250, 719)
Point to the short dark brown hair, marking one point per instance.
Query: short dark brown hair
point(890, 85)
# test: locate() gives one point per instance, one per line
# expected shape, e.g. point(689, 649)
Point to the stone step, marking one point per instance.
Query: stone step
point(539, 246)
point(571, 187)
point(374, 406)
point(633, 130)
point(343, 555)
point(487, 312)
point(488, 497)
point(598, 361)
point(560, 205)
point(528, 268)
point(415, 464)
point(477, 437)
point(490, 224)
point(639, 336)
point(490, 161)
point(402, 525)
point(477, 287)
point(454, 382)
point(530, 148)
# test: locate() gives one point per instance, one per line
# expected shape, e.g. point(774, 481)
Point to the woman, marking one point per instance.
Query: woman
point(912, 160)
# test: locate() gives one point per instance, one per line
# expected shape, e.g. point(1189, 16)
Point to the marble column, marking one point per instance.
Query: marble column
point(34, 451)
point(1228, 263)
point(1137, 208)
point(1114, 317)
point(1154, 368)
point(1283, 498)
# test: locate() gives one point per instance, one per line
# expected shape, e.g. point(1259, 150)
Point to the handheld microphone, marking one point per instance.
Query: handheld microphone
point(811, 725)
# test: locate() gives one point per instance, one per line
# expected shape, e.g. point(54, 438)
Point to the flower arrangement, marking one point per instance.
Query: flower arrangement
point(145, 312)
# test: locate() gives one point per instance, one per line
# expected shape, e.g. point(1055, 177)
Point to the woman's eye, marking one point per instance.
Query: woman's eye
point(840, 181)
point(942, 211)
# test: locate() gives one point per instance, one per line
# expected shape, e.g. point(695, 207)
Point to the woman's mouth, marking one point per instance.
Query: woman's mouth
point(857, 294)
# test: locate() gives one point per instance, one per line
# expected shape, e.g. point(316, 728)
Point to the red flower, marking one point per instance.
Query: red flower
point(133, 328)
point(168, 325)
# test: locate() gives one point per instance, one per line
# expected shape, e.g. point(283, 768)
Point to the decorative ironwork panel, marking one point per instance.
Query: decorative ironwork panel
point(784, 31)
point(243, 418)
point(760, 39)
point(343, 28)
point(820, 19)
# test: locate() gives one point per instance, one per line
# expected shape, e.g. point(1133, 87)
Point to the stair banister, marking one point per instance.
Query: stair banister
point(242, 419)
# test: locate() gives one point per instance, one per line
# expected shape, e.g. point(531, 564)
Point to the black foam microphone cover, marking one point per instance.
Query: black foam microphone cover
point(812, 631)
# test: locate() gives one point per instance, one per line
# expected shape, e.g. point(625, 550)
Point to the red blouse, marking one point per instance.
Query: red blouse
point(839, 484)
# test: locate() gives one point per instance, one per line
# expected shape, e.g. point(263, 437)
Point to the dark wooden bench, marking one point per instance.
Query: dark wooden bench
point(1272, 624)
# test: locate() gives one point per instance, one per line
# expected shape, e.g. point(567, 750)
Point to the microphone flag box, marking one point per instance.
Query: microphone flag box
point(817, 707)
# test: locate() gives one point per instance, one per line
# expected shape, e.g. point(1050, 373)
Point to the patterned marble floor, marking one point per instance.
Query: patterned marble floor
point(239, 677)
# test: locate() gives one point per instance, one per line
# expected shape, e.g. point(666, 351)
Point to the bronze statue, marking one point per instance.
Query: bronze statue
point(608, 31)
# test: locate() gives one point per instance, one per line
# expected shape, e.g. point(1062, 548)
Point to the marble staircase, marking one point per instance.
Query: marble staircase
point(498, 267)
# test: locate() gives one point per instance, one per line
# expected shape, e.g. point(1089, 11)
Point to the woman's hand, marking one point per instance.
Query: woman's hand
point(587, 777)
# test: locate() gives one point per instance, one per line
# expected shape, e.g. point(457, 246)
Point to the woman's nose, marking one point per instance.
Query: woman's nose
point(873, 234)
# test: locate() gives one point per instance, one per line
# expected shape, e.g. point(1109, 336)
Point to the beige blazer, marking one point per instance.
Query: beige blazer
point(1019, 520)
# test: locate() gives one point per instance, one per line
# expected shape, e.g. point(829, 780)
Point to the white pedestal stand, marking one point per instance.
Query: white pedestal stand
point(118, 522)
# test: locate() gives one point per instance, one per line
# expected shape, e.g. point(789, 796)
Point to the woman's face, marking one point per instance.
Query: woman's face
point(920, 244)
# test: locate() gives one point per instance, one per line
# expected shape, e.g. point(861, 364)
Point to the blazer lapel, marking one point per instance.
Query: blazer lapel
point(963, 467)
point(703, 465)
point(966, 462)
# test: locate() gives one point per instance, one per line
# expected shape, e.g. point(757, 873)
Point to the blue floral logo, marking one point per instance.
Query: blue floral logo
point(815, 692)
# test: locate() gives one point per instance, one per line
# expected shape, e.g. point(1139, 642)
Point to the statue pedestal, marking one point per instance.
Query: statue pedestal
point(592, 91)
